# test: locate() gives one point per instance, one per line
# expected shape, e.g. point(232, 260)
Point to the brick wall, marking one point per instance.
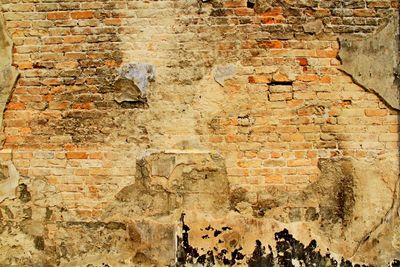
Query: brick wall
point(287, 107)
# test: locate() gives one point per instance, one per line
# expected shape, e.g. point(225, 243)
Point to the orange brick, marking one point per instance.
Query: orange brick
point(25, 131)
point(280, 77)
point(312, 154)
point(364, 12)
point(96, 155)
point(276, 155)
point(275, 11)
point(25, 65)
point(76, 155)
point(375, 112)
point(272, 20)
point(235, 3)
point(307, 78)
point(216, 139)
point(244, 11)
point(259, 79)
point(112, 22)
point(303, 61)
point(296, 137)
point(325, 79)
point(57, 15)
point(327, 53)
point(235, 138)
point(274, 179)
point(299, 162)
point(270, 44)
point(82, 14)
point(83, 106)
point(15, 106)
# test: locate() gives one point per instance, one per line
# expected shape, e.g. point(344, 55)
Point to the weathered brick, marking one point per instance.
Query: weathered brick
point(376, 112)
point(82, 14)
point(57, 15)
point(76, 155)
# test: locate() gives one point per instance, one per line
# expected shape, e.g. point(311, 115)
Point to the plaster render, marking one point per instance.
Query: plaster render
point(373, 62)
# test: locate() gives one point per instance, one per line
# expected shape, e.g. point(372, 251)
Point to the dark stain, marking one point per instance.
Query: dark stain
point(311, 214)
point(395, 263)
point(337, 203)
point(97, 225)
point(219, 12)
point(141, 259)
point(49, 213)
point(134, 104)
point(39, 243)
point(280, 83)
point(260, 257)
point(287, 249)
point(237, 195)
point(27, 213)
point(251, 3)
point(262, 206)
point(186, 254)
point(2, 176)
point(24, 194)
point(217, 233)
point(8, 212)
point(209, 228)
point(134, 234)
point(102, 265)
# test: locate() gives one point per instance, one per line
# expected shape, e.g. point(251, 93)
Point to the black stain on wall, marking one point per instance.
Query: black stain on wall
point(288, 251)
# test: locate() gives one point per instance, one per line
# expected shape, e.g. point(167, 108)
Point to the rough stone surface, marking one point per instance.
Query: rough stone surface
point(374, 62)
point(313, 26)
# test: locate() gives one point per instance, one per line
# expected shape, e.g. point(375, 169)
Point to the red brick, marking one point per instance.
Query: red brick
point(76, 155)
point(57, 15)
point(327, 53)
point(82, 14)
point(15, 106)
point(259, 79)
point(302, 61)
point(270, 44)
point(273, 12)
point(307, 78)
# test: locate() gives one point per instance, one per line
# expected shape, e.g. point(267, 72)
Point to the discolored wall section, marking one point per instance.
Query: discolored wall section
point(175, 132)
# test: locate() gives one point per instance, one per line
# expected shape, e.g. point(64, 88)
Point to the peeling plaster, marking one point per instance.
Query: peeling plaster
point(224, 72)
point(10, 177)
point(373, 62)
point(8, 74)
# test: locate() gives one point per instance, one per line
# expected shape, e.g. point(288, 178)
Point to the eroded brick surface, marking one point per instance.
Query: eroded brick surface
point(245, 123)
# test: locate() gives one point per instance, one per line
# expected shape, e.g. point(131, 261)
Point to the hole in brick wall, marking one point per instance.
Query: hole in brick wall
point(251, 3)
point(281, 83)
